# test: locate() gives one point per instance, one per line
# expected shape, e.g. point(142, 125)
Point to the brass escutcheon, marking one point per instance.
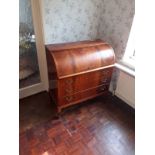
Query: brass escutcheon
point(69, 98)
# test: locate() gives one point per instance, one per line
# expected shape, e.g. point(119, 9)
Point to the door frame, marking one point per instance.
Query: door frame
point(36, 7)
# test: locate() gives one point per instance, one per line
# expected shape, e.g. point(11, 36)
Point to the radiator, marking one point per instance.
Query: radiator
point(126, 88)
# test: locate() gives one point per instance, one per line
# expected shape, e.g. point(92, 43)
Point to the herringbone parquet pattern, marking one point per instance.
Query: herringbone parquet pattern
point(97, 127)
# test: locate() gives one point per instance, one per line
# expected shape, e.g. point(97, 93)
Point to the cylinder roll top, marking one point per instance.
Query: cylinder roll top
point(76, 58)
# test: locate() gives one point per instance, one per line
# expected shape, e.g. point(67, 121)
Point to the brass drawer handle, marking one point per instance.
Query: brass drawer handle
point(69, 98)
point(69, 90)
point(104, 80)
point(105, 72)
point(103, 88)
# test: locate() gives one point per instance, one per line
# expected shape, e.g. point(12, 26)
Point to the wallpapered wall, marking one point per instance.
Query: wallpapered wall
point(115, 23)
point(76, 20)
point(71, 20)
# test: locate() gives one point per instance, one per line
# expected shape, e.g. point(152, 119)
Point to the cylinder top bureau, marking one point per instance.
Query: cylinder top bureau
point(78, 71)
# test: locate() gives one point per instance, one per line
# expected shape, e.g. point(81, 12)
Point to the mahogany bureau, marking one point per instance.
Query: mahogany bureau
point(79, 71)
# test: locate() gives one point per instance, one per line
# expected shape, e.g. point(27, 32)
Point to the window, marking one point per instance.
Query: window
point(129, 56)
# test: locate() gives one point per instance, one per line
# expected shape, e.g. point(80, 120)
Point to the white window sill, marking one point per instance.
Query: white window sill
point(129, 62)
point(125, 67)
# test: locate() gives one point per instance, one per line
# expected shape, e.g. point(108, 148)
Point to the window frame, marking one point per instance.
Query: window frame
point(129, 55)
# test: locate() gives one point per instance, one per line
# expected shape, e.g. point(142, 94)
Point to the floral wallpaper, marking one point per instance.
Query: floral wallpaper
point(76, 20)
point(115, 23)
point(71, 20)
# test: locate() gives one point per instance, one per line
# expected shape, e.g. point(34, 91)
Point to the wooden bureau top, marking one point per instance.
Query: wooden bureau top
point(81, 57)
point(73, 45)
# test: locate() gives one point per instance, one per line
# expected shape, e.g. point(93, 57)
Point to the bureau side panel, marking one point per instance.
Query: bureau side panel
point(52, 77)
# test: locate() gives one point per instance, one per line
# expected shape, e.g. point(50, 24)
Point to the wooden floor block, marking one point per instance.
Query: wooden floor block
point(97, 127)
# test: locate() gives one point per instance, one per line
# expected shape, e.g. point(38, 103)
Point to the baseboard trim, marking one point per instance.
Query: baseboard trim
point(123, 105)
point(125, 100)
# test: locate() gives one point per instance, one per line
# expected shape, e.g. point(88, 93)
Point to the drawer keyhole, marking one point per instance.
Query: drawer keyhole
point(69, 98)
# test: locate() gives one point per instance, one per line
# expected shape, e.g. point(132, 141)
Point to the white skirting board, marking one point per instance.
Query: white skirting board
point(126, 88)
point(126, 100)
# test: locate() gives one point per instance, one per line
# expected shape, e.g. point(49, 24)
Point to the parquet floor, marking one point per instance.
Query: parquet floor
point(96, 127)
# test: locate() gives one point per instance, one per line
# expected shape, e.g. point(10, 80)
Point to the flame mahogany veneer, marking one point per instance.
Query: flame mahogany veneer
point(79, 71)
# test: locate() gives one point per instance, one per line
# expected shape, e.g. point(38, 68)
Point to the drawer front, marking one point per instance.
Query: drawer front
point(83, 82)
point(82, 95)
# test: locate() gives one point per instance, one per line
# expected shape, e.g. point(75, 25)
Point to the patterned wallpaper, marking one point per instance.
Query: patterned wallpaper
point(71, 20)
point(76, 20)
point(115, 23)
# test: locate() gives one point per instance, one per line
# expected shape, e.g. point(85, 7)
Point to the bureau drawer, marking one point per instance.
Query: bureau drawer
point(83, 82)
point(83, 95)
